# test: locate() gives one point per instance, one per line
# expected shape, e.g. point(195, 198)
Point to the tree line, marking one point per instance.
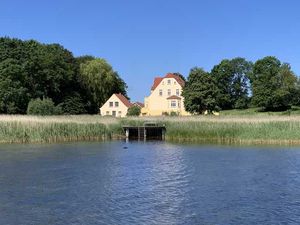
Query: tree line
point(238, 84)
point(36, 77)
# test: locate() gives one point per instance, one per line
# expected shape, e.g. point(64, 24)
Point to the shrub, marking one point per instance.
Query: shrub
point(43, 107)
point(73, 105)
point(174, 113)
point(134, 111)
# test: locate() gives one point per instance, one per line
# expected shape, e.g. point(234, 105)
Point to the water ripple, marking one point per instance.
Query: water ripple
point(149, 183)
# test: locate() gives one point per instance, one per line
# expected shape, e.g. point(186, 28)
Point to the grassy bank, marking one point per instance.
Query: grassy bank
point(256, 129)
point(31, 129)
point(250, 129)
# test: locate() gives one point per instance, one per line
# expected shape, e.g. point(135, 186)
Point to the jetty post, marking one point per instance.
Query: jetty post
point(148, 131)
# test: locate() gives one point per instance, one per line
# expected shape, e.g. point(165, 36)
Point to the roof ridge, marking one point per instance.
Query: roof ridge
point(123, 99)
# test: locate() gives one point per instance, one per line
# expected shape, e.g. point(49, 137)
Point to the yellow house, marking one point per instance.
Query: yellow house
point(117, 105)
point(165, 97)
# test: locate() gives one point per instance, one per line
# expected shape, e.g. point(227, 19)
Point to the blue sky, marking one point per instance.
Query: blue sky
point(142, 39)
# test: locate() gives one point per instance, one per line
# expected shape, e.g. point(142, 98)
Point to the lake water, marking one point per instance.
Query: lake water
point(148, 183)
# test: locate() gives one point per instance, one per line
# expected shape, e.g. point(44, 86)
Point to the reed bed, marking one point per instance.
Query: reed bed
point(223, 129)
point(283, 130)
point(273, 132)
point(79, 119)
point(220, 119)
point(38, 129)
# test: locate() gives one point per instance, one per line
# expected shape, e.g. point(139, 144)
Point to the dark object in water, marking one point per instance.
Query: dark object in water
point(125, 147)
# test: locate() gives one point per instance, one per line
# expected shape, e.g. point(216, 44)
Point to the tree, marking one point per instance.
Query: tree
point(43, 107)
point(13, 95)
point(32, 70)
point(232, 79)
point(101, 81)
point(134, 111)
point(273, 84)
point(84, 59)
point(73, 104)
point(242, 70)
point(296, 93)
point(200, 92)
point(180, 75)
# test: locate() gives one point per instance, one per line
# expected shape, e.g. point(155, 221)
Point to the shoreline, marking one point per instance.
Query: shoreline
point(226, 130)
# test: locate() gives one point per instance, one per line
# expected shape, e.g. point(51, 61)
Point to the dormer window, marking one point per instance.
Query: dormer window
point(169, 82)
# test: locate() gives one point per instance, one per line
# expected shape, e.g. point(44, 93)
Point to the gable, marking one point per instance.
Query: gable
point(118, 98)
point(158, 80)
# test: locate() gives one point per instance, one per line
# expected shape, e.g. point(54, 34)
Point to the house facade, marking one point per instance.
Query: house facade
point(165, 97)
point(117, 105)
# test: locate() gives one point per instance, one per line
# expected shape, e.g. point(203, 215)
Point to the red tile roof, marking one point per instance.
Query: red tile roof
point(174, 97)
point(157, 80)
point(124, 100)
point(139, 104)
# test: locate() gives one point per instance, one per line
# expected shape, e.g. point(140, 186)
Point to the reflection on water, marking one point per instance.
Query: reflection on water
point(148, 183)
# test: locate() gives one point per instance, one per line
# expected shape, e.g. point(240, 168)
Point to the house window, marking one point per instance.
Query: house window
point(179, 105)
point(174, 82)
point(169, 81)
point(114, 113)
point(116, 104)
point(111, 104)
point(107, 113)
point(173, 104)
point(163, 83)
point(160, 92)
point(119, 113)
point(177, 92)
point(169, 92)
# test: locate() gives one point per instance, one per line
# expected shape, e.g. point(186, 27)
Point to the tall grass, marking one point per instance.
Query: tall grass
point(223, 129)
point(280, 132)
point(32, 129)
point(250, 129)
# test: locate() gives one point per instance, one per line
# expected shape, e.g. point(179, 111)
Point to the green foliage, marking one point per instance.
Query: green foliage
point(101, 81)
point(30, 70)
point(73, 105)
point(273, 84)
point(84, 59)
point(180, 75)
point(200, 92)
point(13, 95)
point(134, 111)
point(174, 113)
point(43, 107)
point(232, 79)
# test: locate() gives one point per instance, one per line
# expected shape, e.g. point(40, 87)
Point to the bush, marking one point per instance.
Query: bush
point(73, 105)
point(43, 107)
point(174, 113)
point(134, 111)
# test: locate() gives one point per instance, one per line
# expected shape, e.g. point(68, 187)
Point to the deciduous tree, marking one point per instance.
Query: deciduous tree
point(200, 92)
point(232, 79)
point(273, 84)
point(101, 81)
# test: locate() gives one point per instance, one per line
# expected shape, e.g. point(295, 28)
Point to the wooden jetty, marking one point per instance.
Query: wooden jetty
point(149, 131)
